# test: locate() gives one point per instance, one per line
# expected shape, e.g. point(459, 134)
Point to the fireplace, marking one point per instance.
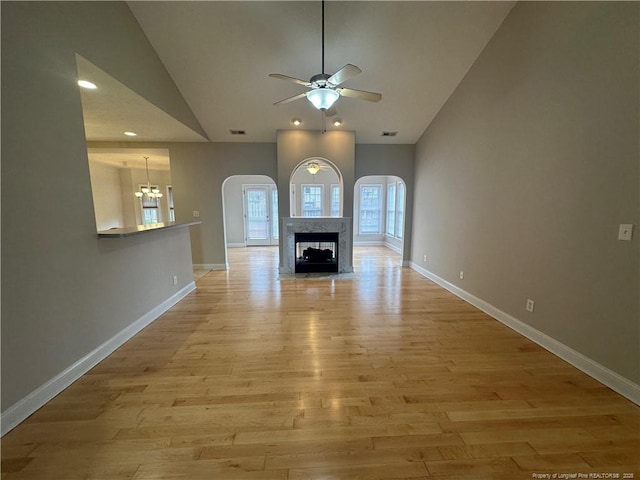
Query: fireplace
point(316, 252)
point(292, 226)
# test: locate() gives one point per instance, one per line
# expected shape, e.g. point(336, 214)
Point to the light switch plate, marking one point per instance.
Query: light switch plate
point(626, 231)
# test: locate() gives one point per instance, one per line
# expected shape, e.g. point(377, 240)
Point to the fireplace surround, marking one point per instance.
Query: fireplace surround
point(324, 231)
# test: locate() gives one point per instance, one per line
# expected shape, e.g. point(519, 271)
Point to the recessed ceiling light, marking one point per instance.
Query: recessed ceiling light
point(296, 122)
point(130, 134)
point(337, 122)
point(87, 84)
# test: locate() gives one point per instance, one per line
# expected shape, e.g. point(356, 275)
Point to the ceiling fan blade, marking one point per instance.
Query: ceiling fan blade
point(360, 94)
point(291, 99)
point(290, 79)
point(344, 74)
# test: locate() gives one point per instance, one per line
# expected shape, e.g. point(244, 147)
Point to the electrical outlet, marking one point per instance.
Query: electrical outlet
point(196, 214)
point(625, 231)
point(530, 305)
point(424, 259)
point(461, 274)
point(175, 279)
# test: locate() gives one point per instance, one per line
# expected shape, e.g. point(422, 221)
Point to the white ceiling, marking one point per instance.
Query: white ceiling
point(220, 54)
point(112, 109)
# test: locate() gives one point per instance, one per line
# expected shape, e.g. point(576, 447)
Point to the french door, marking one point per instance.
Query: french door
point(260, 214)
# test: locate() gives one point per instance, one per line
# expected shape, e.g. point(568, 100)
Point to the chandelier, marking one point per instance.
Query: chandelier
point(148, 192)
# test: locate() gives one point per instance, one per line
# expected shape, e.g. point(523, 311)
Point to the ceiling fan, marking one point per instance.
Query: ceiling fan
point(324, 88)
point(314, 167)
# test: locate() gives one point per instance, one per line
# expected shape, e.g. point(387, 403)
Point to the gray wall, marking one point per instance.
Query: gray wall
point(391, 160)
point(523, 177)
point(198, 172)
point(64, 292)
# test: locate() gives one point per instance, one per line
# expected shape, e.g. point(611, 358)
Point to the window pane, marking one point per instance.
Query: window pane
point(150, 215)
point(335, 200)
point(312, 200)
point(400, 211)
point(257, 214)
point(391, 209)
point(172, 212)
point(274, 213)
point(370, 207)
point(170, 196)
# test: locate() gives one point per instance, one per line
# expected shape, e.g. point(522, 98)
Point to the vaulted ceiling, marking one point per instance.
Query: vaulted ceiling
point(220, 54)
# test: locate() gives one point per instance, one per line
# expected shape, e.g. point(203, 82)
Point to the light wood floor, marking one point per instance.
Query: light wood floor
point(384, 375)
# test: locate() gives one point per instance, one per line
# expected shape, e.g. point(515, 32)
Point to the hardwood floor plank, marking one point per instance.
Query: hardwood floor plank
point(379, 375)
point(413, 470)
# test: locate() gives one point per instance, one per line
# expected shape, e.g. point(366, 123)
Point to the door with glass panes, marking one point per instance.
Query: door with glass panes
point(260, 214)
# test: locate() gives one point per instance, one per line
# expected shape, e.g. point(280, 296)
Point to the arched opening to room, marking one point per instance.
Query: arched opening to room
point(379, 206)
point(250, 211)
point(316, 189)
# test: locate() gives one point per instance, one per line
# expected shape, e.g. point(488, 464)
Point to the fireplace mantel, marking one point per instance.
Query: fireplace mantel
point(289, 226)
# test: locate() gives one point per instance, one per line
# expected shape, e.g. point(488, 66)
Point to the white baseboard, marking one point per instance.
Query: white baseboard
point(378, 243)
point(20, 410)
point(611, 379)
point(236, 245)
point(368, 243)
point(393, 247)
point(211, 266)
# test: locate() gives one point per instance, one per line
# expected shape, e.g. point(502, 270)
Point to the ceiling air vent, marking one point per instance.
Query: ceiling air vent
point(237, 132)
point(389, 134)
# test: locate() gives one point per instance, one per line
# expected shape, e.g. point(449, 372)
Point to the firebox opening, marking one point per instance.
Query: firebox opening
point(316, 252)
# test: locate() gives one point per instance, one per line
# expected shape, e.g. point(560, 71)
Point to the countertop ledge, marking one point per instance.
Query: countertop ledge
point(138, 229)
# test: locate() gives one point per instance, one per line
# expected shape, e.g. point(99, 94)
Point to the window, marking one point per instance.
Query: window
point(274, 213)
point(391, 209)
point(370, 209)
point(172, 212)
point(150, 207)
point(149, 215)
point(400, 211)
point(312, 200)
point(335, 200)
point(395, 209)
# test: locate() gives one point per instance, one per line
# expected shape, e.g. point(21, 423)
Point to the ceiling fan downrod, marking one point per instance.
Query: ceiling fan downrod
point(322, 37)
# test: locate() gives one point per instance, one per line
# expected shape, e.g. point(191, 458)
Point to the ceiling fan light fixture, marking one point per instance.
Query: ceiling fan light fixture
point(313, 168)
point(322, 98)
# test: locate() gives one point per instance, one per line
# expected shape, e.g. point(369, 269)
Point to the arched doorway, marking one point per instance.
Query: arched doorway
point(250, 209)
point(316, 189)
point(379, 205)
